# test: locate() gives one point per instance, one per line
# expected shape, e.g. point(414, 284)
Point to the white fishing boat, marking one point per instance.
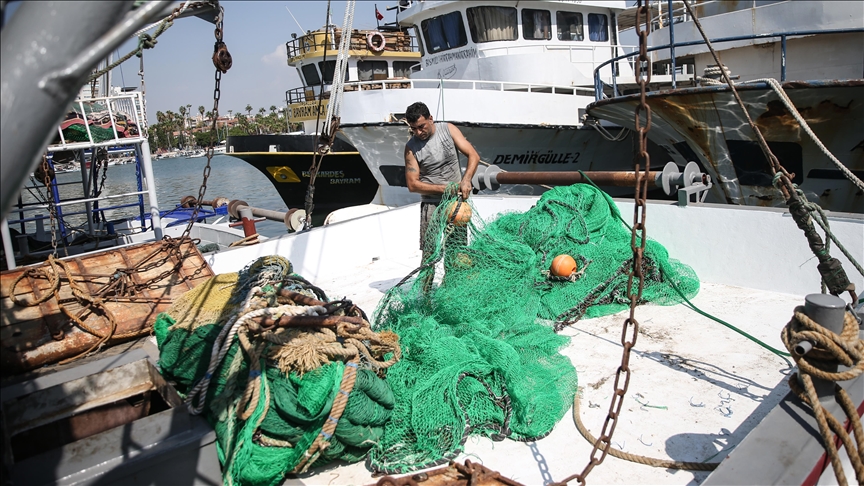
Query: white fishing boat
point(674, 388)
point(344, 179)
point(514, 77)
point(797, 69)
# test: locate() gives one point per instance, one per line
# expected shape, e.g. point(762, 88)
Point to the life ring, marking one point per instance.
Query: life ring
point(370, 41)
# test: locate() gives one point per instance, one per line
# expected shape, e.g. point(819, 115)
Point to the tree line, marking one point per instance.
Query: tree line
point(178, 130)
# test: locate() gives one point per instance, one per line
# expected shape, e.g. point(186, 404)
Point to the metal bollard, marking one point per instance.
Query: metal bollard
point(247, 221)
point(829, 311)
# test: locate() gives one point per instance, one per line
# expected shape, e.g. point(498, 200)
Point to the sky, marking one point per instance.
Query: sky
point(179, 70)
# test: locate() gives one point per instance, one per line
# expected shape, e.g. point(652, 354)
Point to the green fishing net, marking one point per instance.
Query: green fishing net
point(478, 324)
point(292, 407)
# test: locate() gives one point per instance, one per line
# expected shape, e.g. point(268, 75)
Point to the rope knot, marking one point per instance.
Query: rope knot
point(145, 41)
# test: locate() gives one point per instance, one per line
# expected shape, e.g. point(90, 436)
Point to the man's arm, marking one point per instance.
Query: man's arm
point(464, 146)
point(412, 177)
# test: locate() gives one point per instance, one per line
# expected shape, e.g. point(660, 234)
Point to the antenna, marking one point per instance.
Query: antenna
point(295, 19)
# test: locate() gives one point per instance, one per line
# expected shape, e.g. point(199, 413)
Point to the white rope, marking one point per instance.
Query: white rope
point(335, 106)
point(608, 136)
point(794, 111)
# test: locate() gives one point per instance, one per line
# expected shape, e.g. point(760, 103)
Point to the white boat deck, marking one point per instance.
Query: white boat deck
point(697, 388)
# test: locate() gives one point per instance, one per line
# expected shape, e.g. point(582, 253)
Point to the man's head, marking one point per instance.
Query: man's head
point(420, 120)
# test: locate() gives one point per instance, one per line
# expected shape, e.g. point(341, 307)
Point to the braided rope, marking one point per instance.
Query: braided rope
point(648, 461)
point(829, 348)
point(775, 85)
point(322, 441)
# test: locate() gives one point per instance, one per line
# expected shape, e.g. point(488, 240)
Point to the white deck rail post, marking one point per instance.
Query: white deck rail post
point(7, 244)
point(147, 167)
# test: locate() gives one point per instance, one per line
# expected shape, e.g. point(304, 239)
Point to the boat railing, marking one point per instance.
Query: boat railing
point(304, 95)
point(782, 36)
point(101, 122)
point(320, 41)
point(466, 84)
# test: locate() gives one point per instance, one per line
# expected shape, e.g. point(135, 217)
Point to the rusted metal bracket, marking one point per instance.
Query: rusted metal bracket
point(454, 474)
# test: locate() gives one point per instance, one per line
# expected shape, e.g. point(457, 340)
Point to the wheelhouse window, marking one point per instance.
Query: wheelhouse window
point(371, 70)
point(444, 32)
point(490, 24)
point(536, 24)
point(569, 26)
point(327, 69)
point(310, 75)
point(402, 69)
point(598, 28)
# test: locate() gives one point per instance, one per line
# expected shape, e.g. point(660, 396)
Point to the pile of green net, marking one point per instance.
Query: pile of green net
point(293, 407)
point(478, 330)
point(480, 348)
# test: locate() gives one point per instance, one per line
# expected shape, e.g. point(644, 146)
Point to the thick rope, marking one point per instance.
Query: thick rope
point(648, 461)
point(322, 441)
point(775, 85)
point(829, 349)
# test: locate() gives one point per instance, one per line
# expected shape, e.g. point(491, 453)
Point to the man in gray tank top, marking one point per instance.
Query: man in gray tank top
point(431, 162)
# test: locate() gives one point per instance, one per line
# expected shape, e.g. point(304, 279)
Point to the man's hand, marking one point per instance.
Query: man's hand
point(465, 189)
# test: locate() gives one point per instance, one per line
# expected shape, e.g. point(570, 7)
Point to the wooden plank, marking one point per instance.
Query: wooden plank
point(24, 332)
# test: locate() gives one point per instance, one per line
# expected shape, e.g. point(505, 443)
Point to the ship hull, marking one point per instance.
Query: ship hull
point(517, 148)
point(707, 126)
point(343, 179)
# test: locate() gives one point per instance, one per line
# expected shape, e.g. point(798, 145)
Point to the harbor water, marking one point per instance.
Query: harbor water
point(175, 178)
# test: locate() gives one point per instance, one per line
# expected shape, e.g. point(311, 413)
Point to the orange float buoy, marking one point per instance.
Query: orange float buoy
point(563, 266)
point(462, 217)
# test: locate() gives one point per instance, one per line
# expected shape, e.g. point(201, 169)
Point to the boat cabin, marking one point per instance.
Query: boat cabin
point(543, 42)
point(385, 54)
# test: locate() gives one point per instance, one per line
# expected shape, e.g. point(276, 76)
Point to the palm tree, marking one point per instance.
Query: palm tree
point(201, 111)
point(272, 109)
point(261, 111)
point(249, 109)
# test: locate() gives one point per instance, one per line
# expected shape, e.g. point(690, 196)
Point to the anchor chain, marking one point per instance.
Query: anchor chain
point(47, 174)
point(637, 244)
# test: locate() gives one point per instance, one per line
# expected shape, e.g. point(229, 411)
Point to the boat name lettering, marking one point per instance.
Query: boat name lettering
point(532, 157)
point(349, 180)
point(308, 109)
point(468, 53)
point(338, 174)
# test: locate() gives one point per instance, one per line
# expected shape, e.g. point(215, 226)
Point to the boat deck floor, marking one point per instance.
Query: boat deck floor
point(697, 387)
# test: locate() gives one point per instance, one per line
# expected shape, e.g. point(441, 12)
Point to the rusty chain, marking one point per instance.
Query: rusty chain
point(49, 197)
point(637, 244)
point(222, 62)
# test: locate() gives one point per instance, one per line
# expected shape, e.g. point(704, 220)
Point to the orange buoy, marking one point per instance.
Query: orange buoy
point(462, 217)
point(563, 266)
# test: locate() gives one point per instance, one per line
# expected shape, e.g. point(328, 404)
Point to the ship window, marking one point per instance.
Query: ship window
point(371, 70)
point(536, 24)
point(327, 69)
point(310, 74)
point(402, 69)
point(598, 28)
point(489, 24)
point(569, 26)
point(444, 32)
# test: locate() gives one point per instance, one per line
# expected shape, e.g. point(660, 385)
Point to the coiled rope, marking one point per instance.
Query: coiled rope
point(828, 350)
